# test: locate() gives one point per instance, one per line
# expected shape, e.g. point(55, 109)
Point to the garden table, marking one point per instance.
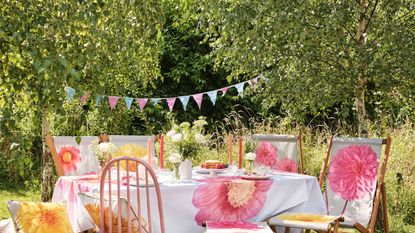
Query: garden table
point(226, 197)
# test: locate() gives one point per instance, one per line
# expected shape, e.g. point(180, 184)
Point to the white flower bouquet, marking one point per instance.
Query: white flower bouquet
point(104, 151)
point(186, 139)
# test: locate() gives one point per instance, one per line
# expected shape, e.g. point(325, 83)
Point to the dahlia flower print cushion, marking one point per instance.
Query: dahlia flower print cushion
point(32, 217)
point(352, 177)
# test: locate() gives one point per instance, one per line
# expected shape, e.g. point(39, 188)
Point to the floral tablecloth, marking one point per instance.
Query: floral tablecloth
point(226, 198)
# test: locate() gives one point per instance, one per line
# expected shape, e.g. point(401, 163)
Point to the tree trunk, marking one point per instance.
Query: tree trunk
point(47, 166)
point(361, 93)
point(360, 103)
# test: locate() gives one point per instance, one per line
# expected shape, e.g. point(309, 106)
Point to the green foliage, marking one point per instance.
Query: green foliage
point(308, 50)
point(312, 54)
point(47, 45)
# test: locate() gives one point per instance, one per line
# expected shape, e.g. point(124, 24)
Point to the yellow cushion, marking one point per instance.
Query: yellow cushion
point(38, 217)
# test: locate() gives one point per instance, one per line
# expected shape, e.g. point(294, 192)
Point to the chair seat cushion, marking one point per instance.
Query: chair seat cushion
point(39, 217)
point(303, 220)
point(240, 227)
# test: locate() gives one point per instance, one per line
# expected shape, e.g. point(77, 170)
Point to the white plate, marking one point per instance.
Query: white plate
point(198, 169)
point(246, 177)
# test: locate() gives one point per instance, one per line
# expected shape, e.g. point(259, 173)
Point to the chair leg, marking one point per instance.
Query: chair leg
point(273, 228)
point(336, 226)
point(287, 230)
point(385, 209)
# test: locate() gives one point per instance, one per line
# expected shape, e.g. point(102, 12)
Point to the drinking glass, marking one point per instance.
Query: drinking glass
point(234, 168)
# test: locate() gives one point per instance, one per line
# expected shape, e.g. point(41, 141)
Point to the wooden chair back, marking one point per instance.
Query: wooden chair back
point(287, 146)
point(123, 189)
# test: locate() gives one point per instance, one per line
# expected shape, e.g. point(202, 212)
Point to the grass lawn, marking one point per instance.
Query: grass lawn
point(15, 192)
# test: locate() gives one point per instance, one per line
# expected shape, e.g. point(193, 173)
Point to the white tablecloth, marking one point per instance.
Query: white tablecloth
point(287, 193)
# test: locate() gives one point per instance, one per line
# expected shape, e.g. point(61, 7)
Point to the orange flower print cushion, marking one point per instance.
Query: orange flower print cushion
point(34, 217)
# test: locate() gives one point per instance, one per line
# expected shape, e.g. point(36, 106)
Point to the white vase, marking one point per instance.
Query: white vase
point(185, 170)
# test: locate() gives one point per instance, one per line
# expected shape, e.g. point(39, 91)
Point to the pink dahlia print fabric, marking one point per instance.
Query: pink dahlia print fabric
point(76, 159)
point(352, 178)
point(229, 199)
point(279, 152)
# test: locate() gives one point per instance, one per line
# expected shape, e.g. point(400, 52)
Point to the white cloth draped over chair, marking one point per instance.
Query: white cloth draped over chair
point(142, 140)
point(88, 162)
point(287, 146)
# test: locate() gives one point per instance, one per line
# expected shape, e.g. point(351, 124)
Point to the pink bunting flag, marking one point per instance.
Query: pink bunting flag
point(224, 90)
point(142, 103)
point(198, 98)
point(170, 102)
point(113, 101)
point(85, 97)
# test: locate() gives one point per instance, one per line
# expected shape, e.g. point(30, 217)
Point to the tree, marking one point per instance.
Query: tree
point(47, 45)
point(319, 55)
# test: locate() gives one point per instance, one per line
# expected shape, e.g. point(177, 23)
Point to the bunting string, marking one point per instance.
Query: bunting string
point(142, 102)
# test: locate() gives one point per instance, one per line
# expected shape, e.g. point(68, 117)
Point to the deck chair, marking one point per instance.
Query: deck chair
point(71, 158)
point(288, 148)
point(148, 201)
point(354, 188)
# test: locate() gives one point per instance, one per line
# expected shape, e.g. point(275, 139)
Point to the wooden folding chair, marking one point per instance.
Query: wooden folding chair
point(87, 161)
point(348, 207)
point(287, 146)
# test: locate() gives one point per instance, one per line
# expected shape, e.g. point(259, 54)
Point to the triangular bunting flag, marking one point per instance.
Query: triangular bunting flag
point(155, 100)
point(185, 100)
point(170, 102)
point(253, 82)
point(113, 101)
point(213, 95)
point(224, 90)
point(128, 101)
point(198, 98)
point(85, 97)
point(240, 88)
point(142, 103)
point(98, 100)
point(70, 92)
